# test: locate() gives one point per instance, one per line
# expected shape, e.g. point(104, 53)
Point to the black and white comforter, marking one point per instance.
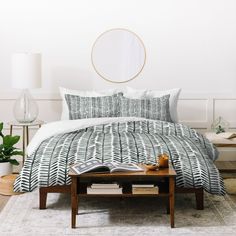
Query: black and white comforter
point(138, 141)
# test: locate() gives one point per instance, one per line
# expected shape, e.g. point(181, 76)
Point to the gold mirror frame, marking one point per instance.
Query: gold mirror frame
point(100, 74)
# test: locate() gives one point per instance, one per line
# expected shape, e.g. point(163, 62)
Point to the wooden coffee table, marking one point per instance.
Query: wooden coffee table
point(164, 178)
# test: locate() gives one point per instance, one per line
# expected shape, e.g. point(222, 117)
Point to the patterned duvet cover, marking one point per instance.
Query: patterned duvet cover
point(191, 154)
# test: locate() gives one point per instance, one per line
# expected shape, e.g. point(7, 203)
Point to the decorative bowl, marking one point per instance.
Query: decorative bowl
point(151, 166)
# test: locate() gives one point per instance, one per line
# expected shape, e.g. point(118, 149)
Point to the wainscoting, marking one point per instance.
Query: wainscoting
point(197, 111)
point(200, 112)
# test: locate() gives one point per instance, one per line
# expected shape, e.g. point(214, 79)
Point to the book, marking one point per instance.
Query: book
point(143, 185)
point(104, 190)
point(99, 167)
point(227, 135)
point(145, 190)
point(105, 186)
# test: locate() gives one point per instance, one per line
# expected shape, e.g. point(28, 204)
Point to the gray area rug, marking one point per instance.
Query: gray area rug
point(112, 216)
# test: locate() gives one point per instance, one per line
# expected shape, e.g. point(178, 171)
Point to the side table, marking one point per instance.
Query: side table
point(223, 166)
point(25, 132)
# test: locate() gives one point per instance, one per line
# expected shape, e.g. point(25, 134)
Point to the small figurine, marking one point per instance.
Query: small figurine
point(220, 125)
point(220, 129)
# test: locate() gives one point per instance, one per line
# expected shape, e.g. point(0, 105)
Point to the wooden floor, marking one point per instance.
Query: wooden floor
point(226, 167)
point(3, 201)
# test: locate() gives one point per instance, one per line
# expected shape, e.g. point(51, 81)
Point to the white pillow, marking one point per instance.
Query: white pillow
point(82, 93)
point(173, 102)
point(134, 93)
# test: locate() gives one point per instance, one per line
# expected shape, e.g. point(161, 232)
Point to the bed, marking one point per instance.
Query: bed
point(122, 138)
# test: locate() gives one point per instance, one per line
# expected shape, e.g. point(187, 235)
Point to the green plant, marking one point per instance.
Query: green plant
point(7, 149)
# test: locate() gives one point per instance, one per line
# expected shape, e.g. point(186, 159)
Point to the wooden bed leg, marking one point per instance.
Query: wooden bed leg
point(43, 191)
point(42, 198)
point(199, 194)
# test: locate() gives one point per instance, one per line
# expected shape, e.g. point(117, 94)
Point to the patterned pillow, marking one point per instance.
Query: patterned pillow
point(92, 107)
point(150, 108)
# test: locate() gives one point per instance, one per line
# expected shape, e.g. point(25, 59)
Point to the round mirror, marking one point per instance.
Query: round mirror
point(118, 55)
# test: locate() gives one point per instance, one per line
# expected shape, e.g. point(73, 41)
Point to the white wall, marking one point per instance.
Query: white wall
point(190, 44)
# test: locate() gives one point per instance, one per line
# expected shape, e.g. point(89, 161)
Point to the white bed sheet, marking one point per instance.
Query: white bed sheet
point(53, 128)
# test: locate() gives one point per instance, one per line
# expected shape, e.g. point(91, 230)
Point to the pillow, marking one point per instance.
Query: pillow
point(92, 107)
point(63, 91)
point(153, 108)
point(134, 93)
point(174, 96)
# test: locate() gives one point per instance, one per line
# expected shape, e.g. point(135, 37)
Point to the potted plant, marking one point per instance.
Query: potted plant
point(7, 151)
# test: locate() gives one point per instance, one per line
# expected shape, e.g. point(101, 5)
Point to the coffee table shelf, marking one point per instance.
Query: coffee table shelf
point(124, 195)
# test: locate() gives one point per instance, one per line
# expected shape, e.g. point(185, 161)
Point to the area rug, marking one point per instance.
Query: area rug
point(113, 216)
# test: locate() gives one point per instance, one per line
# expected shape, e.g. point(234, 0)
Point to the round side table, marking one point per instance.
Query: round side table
point(25, 132)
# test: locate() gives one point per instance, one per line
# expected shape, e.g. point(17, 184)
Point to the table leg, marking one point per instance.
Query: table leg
point(27, 135)
point(10, 129)
point(172, 200)
point(23, 143)
point(167, 205)
point(74, 201)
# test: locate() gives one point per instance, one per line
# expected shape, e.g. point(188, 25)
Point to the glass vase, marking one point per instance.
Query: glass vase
point(220, 125)
point(25, 108)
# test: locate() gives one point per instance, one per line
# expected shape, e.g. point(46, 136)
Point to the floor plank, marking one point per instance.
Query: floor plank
point(3, 201)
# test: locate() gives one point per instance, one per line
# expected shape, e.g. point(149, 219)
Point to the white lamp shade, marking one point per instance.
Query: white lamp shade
point(26, 70)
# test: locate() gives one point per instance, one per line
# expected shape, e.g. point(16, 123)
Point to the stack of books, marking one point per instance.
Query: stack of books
point(145, 189)
point(104, 189)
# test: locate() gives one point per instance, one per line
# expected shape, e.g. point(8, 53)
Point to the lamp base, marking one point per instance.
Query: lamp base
point(25, 108)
